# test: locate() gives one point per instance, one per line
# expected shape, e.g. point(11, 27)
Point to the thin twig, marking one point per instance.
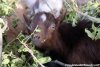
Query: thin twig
point(97, 20)
point(30, 35)
point(1, 38)
point(48, 5)
point(71, 65)
point(31, 52)
point(68, 4)
point(1, 41)
point(59, 63)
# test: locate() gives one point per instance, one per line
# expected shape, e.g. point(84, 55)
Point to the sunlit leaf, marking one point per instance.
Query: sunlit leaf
point(5, 61)
point(89, 34)
point(44, 60)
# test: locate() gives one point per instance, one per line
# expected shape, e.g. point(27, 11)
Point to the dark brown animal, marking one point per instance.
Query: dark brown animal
point(63, 42)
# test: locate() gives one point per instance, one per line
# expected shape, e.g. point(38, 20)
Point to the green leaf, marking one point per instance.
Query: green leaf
point(5, 61)
point(89, 34)
point(98, 34)
point(38, 30)
point(44, 60)
point(34, 65)
point(1, 22)
point(15, 22)
point(22, 48)
point(4, 1)
point(94, 28)
point(5, 56)
point(17, 60)
point(13, 65)
point(23, 57)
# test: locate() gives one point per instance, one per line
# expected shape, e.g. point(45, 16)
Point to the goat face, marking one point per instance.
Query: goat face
point(42, 26)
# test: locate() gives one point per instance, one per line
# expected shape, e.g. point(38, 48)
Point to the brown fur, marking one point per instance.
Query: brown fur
point(66, 43)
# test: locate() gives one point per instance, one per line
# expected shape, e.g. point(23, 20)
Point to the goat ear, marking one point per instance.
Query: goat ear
point(27, 20)
point(27, 23)
point(62, 16)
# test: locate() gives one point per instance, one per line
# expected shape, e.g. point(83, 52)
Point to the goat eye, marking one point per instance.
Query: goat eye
point(53, 26)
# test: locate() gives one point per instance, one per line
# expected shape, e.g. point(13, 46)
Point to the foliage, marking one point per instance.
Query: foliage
point(95, 34)
point(72, 18)
point(5, 8)
point(15, 21)
point(14, 53)
point(92, 8)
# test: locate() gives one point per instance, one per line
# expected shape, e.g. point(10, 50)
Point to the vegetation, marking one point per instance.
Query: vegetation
point(21, 52)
